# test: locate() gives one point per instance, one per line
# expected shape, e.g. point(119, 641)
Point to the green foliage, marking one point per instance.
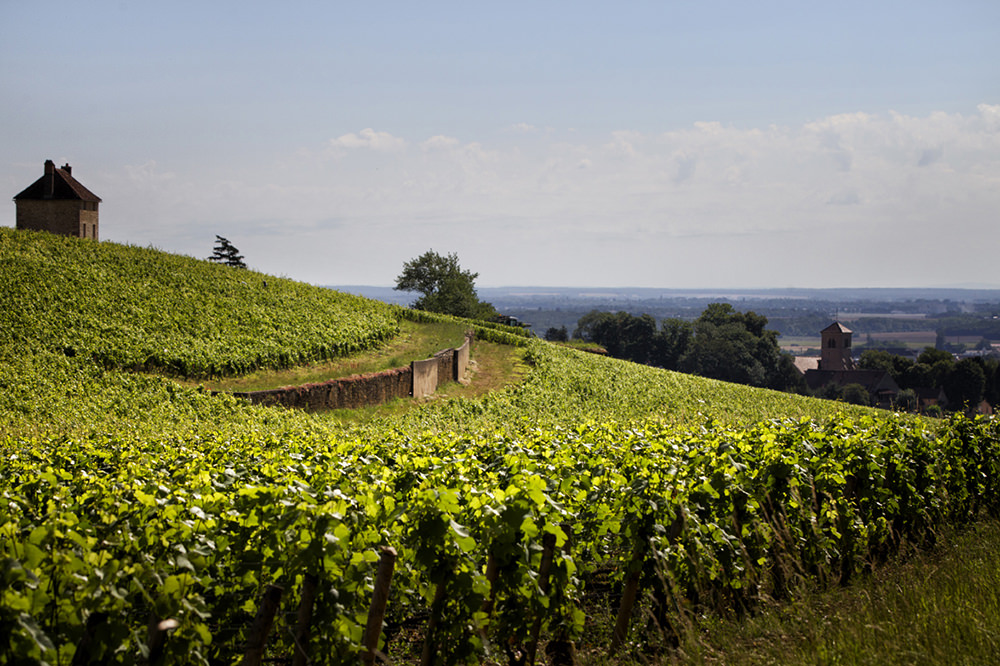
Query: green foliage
point(139, 309)
point(554, 334)
point(856, 394)
point(736, 347)
point(446, 288)
point(623, 335)
point(721, 344)
point(192, 530)
point(124, 497)
point(965, 383)
point(877, 359)
point(907, 400)
point(934, 607)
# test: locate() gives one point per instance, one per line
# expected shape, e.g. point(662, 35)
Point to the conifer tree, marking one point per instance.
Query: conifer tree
point(226, 253)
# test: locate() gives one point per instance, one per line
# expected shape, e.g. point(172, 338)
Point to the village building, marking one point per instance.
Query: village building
point(879, 384)
point(58, 203)
point(837, 366)
point(836, 352)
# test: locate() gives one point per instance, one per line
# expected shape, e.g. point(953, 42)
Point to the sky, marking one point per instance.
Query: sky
point(647, 144)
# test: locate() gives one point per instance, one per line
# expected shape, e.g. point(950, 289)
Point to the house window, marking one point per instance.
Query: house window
point(832, 344)
point(847, 342)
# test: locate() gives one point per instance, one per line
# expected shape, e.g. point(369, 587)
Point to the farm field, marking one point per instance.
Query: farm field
point(915, 341)
point(142, 518)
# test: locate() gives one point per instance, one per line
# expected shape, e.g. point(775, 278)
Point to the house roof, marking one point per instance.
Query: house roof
point(873, 380)
point(806, 363)
point(57, 183)
point(837, 327)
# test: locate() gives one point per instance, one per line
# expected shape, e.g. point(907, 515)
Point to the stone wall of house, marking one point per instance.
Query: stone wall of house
point(419, 379)
point(67, 217)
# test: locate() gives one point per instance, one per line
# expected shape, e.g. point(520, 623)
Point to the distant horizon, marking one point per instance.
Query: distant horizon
point(711, 290)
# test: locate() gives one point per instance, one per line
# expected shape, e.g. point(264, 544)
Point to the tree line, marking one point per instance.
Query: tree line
point(720, 344)
point(737, 347)
point(965, 382)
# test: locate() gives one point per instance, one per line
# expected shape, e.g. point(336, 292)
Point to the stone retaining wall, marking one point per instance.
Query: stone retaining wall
point(425, 377)
point(419, 379)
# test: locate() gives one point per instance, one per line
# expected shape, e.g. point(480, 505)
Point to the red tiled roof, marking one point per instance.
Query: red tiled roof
point(57, 185)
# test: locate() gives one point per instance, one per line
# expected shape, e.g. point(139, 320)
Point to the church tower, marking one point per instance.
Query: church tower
point(836, 353)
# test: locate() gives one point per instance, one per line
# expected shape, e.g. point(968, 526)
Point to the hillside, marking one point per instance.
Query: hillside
point(90, 334)
point(132, 503)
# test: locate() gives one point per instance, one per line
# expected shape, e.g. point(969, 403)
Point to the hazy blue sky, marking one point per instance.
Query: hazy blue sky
point(662, 144)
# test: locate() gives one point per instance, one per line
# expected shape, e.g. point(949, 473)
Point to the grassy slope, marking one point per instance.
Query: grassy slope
point(937, 607)
point(76, 315)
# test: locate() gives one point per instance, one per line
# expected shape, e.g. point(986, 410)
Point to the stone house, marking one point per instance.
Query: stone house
point(59, 204)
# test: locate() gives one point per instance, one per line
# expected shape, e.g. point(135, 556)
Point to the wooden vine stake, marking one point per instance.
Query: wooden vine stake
point(560, 649)
point(156, 637)
point(629, 595)
point(82, 655)
point(492, 573)
point(430, 640)
point(261, 627)
point(304, 619)
point(548, 549)
point(376, 612)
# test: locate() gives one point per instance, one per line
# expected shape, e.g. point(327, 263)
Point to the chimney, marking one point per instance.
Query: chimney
point(50, 179)
point(67, 168)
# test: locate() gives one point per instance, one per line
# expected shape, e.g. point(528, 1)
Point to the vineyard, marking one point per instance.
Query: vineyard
point(130, 308)
point(145, 522)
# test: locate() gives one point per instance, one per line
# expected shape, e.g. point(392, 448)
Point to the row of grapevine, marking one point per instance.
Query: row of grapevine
point(488, 331)
point(139, 309)
point(193, 531)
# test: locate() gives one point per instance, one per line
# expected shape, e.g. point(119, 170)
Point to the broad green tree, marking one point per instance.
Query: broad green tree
point(623, 335)
point(444, 286)
point(553, 334)
point(674, 339)
point(737, 347)
point(856, 394)
point(877, 359)
point(965, 383)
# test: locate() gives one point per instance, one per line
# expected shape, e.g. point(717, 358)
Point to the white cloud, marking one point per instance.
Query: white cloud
point(369, 138)
point(648, 208)
point(440, 142)
point(147, 175)
point(523, 128)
